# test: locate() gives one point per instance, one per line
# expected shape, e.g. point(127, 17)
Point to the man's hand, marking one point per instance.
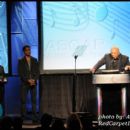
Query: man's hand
point(31, 82)
point(93, 70)
point(127, 67)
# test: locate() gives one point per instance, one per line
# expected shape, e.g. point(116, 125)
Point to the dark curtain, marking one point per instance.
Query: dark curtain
point(56, 94)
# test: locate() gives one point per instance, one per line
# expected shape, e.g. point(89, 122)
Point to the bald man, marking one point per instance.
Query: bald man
point(112, 61)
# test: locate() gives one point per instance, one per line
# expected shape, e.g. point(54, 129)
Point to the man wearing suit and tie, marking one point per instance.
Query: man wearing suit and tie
point(111, 93)
point(28, 69)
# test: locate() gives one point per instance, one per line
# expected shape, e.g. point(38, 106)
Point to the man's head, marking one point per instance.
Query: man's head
point(26, 50)
point(115, 52)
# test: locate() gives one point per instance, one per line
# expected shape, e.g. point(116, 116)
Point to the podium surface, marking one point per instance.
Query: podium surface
point(100, 79)
point(120, 78)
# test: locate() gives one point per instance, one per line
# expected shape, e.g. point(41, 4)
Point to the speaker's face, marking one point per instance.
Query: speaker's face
point(115, 53)
point(27, 51)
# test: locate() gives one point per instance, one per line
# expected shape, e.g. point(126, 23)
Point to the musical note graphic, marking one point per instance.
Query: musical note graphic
point(115, 25)
point(53, 16)
point(71, 16)
point(85, 12)
point(81, 14)
point(66, 15)
point(101, 13)
point(77, 19)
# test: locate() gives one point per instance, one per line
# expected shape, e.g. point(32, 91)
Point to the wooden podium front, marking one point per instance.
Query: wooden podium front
point(108, 79)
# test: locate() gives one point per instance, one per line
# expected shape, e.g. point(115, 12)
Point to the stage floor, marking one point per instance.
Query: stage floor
point(30, 124)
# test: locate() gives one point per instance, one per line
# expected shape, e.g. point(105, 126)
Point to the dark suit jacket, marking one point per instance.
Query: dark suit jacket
point(25, 72)
point(107, 60)
point(2, 71)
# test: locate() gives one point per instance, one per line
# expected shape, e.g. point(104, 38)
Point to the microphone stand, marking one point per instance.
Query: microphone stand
point(74, 87)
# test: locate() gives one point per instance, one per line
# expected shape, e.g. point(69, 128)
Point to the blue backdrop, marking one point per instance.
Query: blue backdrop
point(23, 24)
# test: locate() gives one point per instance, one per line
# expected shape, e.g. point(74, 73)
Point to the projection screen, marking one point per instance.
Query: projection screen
point(84, 29)
point(3, 37)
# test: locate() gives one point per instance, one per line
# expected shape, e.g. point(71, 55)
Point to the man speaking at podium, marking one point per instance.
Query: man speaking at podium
point(113, 61)
point(111, 94)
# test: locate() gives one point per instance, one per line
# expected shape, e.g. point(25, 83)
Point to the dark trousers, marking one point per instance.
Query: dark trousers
point(24, 92)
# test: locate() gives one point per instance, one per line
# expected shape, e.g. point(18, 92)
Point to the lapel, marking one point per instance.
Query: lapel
point(25, 63)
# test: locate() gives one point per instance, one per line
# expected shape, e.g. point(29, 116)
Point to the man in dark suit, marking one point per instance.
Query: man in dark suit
point(112, 61)
point(2, 75)
point(28, 68)
point(111, 94)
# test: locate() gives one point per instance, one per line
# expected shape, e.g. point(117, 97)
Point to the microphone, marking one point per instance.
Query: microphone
point(76, 56)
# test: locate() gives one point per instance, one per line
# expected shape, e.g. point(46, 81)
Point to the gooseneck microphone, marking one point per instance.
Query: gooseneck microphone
point(76, 56)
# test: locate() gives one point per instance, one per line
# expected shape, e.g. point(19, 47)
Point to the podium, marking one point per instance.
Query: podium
point(108, 79)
